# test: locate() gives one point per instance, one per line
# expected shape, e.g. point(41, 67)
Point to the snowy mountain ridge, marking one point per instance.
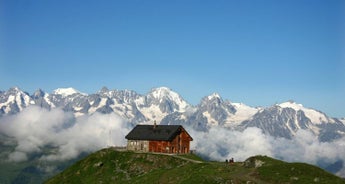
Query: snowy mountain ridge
point(315, 116)
point(168, 107)
point(67, 92)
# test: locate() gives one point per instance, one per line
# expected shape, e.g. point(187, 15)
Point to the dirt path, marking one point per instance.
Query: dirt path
point(191, 160)
point(176, 156)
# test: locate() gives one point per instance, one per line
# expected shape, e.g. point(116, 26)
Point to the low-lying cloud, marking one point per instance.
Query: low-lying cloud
point(35, 128)
point(220, 144)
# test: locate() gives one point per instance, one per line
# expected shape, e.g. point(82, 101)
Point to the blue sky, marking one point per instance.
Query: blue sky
point(256, 52)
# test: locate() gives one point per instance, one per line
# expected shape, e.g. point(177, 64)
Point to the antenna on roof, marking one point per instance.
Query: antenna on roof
point(109, 139)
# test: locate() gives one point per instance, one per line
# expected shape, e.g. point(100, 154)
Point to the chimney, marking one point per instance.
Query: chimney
point(154, 124)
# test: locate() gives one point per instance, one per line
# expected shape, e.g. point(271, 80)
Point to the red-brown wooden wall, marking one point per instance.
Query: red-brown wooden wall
point(180, 144)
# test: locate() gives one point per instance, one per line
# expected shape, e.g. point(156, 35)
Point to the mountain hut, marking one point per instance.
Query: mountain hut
point(159, 138)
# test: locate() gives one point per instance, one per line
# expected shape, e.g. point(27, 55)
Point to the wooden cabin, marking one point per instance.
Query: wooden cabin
point(159, 138)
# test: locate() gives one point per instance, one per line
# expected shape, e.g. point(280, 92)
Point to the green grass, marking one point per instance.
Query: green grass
point(294, 172)
point(110, 166)
point(276, 171)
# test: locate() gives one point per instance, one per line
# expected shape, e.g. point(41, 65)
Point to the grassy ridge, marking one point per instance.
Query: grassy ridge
point(277, 171)
point(110, 166)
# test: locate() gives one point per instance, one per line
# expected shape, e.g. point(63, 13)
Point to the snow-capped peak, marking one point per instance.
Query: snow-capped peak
point(162, 92)
point(15, 89)
point(66, 91)
point(39, 93)
point(342, 120)
point(291, 104)
point(315, 116)
point(213, 95)
point(103, 90)
point(243, 112)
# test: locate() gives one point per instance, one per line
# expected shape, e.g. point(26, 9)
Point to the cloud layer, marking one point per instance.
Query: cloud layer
point(220, 144)
point(36, 128)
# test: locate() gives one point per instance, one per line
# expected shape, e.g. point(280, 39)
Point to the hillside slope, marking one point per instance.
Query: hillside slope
point(110, 166)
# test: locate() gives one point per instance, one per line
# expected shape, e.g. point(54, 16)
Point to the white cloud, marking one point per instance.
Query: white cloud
point(35, 128)
point(220, 144)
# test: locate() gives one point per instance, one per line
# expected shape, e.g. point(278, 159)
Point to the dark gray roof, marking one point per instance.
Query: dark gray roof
point(159, 133)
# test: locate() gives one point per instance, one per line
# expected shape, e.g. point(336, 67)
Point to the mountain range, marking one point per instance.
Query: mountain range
point(167, 107)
